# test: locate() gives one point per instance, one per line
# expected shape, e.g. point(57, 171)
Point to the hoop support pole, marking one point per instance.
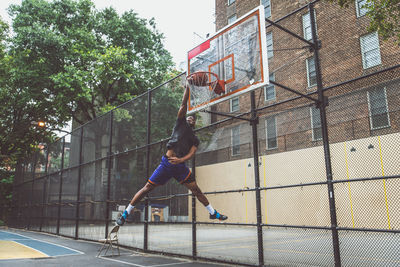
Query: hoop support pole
point(227, 115)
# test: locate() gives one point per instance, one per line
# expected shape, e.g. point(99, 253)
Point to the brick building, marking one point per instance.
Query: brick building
point(358, 75)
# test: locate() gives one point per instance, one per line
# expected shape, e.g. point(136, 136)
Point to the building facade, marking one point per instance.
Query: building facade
point(363, 96)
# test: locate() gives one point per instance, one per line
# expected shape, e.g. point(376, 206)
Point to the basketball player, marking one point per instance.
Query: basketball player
point(181, 147)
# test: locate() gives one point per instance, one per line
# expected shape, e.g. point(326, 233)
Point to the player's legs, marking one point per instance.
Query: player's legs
point(142, 193)
point(136, 198)
point(192, 186)
point(160, 176)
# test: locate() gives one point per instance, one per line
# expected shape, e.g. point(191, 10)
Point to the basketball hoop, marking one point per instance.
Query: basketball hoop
point(204, 86)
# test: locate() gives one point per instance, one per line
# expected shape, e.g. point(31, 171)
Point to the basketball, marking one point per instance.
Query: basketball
point(198, 78)
point(220, 87)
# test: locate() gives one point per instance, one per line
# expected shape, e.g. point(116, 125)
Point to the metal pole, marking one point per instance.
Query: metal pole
point(110, 158)
point(15, 202)
point(253, 123)
point(324, 125)
point(33, 184)
point(289, 32)
point(148, 139)
point(292, 90)
point(60, 190)
point(44, 187)
point(79, 185)
point(194, 228)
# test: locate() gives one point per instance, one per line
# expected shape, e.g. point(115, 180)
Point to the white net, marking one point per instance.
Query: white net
point(201, 86)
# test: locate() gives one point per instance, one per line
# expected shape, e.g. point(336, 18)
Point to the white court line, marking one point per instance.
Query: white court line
point(31, 248)
point(80, 252)
point(29, 238)
point(169, 264)
point(138, 265)
point(12, 233)
point(16, 239)
point(123, 262)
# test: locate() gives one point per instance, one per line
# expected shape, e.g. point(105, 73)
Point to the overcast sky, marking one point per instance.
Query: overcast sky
point(181, 21)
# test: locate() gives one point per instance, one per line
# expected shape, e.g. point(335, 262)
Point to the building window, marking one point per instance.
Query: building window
point(378, 108)
point(270, 47)
point(235, 140)
point(271, 133)
point(232, 19)
point(234, 104)
point(371, 55)
point(269, 90)
point(307, 26)
point(361, 7)
point(311, 72)
point(267, 7)
point(230, 2)
point(316, 124)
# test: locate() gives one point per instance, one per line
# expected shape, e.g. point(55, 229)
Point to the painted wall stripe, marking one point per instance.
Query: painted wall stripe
point(348, 184)
point(384, 182)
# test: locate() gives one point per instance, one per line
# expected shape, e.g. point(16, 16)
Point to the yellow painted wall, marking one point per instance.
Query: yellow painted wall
point(232, 175)
point(370, 204)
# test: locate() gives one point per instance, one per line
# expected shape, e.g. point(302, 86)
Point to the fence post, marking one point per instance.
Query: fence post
point(322, 103)
point(254, 122)
point(60, 189)
point(110, 158)
point(148, 140)
point(33, 184)
point(194, 228)
point(79, 185)
point(14, 204)
point(44, 186)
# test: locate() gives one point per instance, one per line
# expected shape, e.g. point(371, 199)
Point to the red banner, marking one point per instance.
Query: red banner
point(197, 50)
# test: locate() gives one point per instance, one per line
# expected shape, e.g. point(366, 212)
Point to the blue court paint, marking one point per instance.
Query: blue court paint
point(11, 236)
point(50, 249)
point(47, 248)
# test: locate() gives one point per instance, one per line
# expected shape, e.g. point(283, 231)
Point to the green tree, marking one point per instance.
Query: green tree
point(68, 60)
point(16, 111)
point(384, 15)
point(82, 60)
point(6, 177)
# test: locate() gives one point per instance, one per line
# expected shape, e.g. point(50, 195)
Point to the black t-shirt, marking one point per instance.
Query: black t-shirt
point(182, 138)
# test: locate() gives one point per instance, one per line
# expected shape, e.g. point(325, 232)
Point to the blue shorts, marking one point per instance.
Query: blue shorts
point(167, 170)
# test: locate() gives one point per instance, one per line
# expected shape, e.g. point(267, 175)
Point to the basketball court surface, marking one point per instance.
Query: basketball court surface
point(25, 248)
point(16, 246)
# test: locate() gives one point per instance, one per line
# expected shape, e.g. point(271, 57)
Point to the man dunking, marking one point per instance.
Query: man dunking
point(181, 147)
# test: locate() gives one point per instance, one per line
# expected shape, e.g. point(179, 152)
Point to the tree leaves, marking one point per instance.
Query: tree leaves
point(67, 60)
point(384, 15)
point(85, 57)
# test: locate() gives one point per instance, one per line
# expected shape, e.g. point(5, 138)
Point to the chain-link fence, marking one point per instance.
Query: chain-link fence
point(306, 169)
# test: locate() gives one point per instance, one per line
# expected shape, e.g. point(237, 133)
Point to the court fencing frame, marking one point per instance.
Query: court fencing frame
point(32, 209)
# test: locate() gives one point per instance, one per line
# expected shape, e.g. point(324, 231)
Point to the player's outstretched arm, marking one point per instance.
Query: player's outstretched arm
point(183, 108)
point(175, 160)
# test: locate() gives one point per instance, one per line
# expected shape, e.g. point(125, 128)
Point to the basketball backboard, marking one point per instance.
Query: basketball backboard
point(237, 54)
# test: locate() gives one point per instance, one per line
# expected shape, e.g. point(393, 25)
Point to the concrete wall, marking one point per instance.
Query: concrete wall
point(359, 204)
